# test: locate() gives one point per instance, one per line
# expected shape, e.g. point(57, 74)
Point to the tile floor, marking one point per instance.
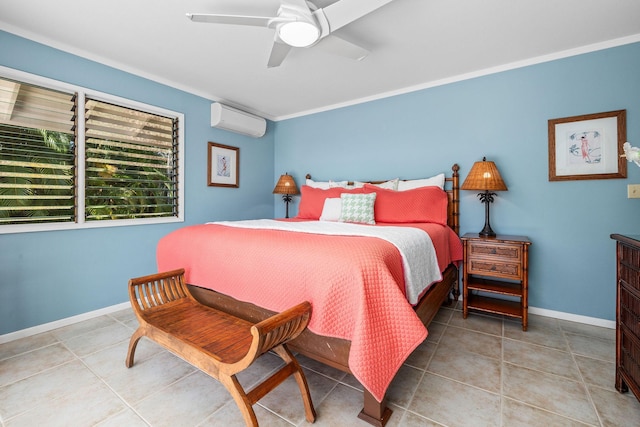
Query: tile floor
point(482, 371)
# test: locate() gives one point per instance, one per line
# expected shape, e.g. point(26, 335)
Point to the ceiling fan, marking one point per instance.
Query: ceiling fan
point(299, 23)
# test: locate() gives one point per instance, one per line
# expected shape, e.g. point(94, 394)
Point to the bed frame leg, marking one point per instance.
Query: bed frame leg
point(374, 412)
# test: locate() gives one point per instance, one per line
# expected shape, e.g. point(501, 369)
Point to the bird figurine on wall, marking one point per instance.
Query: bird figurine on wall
point(631, 153)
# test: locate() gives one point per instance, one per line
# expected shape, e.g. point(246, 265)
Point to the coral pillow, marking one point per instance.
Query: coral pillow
point(312, 200)
point(423, 204)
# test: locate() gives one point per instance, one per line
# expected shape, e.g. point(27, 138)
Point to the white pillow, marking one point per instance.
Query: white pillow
point(434, 181)
point(324, 185)
point(358, 208)
point(341, 184)
point(331, 210)
point(392, 184)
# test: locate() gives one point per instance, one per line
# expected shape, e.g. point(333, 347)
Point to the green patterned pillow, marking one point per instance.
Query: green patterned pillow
point(358, 208)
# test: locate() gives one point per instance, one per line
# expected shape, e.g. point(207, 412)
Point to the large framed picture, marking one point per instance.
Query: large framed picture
point(588, 146)
point(223, 165)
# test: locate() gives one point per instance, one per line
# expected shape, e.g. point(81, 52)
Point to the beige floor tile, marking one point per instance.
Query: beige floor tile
point(435, 331)
point(263, 366)
point(84, 406)
point(286, 400)
point(38, 390)
point(478, 322)
point(545, 334)
point(188, 401)
point(459, 339)
point(587, 330)
point(24, 365)
point(540, 358)
point(146, 377)
point(404, 386)
point(352, 382)
point(320, 368)
point(597, 348)
point(540, 321)
point(443, 315)
point(84, 327)
point(341, 408)
point(421, 355)
point(597, 372)
point(518, 414)
point(229, 416)
point(551, 392)
point(616, 409)
point(469, 368)
point(454, 404)
point(409, 419)
point(126, 418)
point(23, 345)
point(98, 339)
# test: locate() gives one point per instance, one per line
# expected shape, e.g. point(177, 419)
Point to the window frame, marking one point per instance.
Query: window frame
point(82, 94)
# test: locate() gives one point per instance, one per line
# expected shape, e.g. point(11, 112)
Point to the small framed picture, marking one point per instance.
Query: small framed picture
point(588, 147)
point(223, 165)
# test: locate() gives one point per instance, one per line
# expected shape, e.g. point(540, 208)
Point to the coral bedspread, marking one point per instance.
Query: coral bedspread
point(355, 284)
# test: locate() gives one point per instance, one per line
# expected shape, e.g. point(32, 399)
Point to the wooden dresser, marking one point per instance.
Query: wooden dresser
point(628, 313)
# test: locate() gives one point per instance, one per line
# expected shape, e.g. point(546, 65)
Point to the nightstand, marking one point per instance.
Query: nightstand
point(496, 266)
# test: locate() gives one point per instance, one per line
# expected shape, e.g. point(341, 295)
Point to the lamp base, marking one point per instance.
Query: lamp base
point(487, 231)
point(287, 198)
point(486, 198)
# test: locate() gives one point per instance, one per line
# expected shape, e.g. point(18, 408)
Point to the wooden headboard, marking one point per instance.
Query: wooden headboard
point(452, 187)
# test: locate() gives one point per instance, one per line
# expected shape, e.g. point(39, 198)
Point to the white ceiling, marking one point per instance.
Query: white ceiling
point(414, 44)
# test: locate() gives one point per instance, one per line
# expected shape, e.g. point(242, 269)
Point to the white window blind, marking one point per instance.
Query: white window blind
point(131, 163)
point(37, 154)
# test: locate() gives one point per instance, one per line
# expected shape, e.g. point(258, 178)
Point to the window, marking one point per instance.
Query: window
point(37, 154)
point(70, 158)
point(131, 163)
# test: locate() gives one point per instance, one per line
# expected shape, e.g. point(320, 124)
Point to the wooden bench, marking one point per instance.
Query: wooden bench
point(216, 342)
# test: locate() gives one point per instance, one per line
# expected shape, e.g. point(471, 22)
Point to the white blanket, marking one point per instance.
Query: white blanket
point(416, 248)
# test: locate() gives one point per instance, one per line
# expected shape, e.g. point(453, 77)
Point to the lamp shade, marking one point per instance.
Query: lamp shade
point(286, 185)
point(484, 176)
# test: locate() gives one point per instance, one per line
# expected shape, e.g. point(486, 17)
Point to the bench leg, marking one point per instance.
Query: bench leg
point(133, 343)
point(286, 355)
point(242, 401)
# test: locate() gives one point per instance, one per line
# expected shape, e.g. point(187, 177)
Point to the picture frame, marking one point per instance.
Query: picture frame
point(223, 168)
point(588, 146)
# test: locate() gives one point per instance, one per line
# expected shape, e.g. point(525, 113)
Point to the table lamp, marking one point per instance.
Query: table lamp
point(287, 187)
point(484, 176)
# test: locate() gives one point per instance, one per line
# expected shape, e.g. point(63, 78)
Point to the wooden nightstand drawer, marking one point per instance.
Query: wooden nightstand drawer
point(502, 251)
point(487, 267)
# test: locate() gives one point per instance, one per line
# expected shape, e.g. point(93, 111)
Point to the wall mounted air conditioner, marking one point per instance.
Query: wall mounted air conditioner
point(234, 120)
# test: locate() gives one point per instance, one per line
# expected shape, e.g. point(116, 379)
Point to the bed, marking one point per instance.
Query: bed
point(372, 297)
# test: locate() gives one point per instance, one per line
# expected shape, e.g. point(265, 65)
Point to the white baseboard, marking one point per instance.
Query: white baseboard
point(611, 324)
point(46, 327)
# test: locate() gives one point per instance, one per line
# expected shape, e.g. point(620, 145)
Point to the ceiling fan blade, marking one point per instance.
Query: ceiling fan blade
point(339, 46)
point(279, 52)
point(213, 18)
point(344, 12)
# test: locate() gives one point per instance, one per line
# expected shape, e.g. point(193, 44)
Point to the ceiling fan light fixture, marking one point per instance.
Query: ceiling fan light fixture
point(298, 33)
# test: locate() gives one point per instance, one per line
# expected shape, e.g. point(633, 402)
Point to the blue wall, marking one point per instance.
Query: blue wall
point(57, 274)
point(52, 275)
point(502, 116)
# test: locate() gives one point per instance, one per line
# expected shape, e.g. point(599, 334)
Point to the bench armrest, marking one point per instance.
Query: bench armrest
point(281, 328)
point(154, 290)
